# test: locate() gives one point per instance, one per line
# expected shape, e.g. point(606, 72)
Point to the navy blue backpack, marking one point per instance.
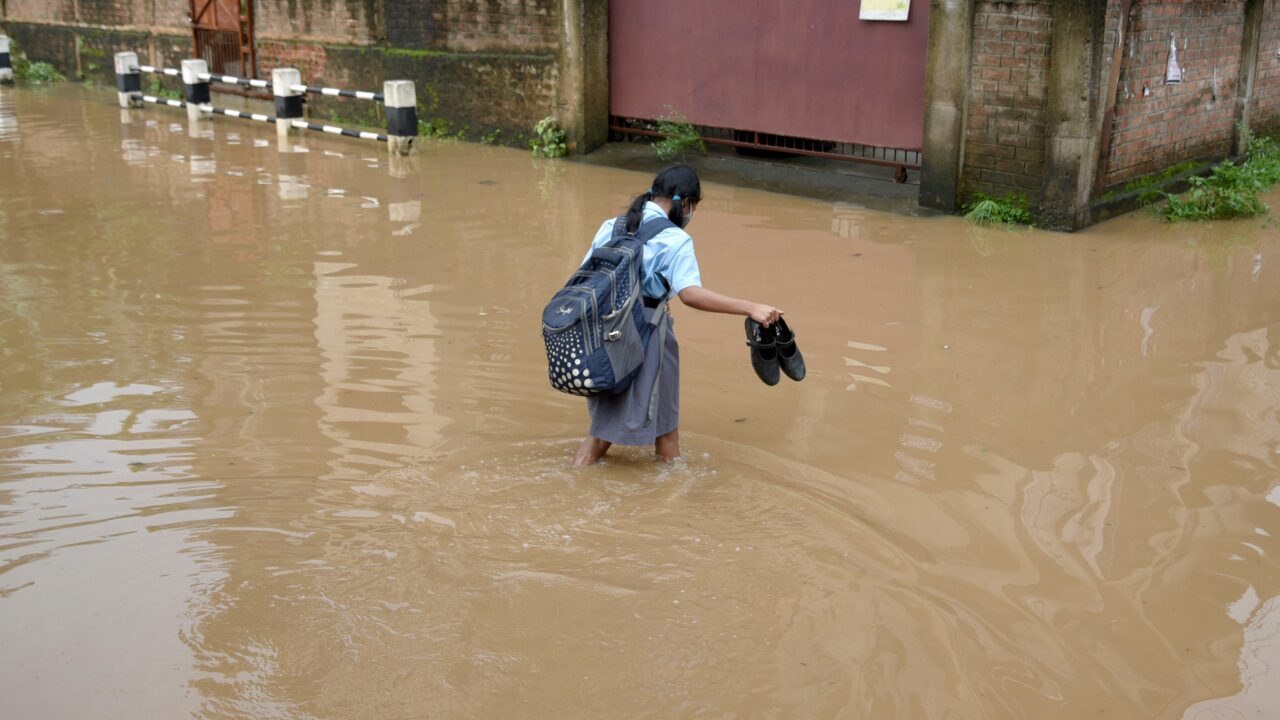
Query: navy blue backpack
point(594, 327)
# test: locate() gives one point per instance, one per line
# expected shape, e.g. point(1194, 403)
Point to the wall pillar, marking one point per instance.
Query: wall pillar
point(1074, 91)
point(1253, 14)
point(584, 73)
point(945, 92)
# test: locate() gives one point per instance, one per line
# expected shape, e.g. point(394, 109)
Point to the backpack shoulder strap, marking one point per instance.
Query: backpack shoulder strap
point(651, 228)
point(619, 226)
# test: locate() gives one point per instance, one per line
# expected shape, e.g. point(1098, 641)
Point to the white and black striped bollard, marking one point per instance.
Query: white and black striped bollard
point(401, 102)
point(195, 89)
point(128, 80)
point(6, 62)
point(288, 100)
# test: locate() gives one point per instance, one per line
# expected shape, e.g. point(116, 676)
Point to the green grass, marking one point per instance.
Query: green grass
point(1231, 190)
point(1010, 209)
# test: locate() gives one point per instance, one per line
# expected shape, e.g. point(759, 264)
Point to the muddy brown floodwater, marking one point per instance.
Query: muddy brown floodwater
point(276, 441)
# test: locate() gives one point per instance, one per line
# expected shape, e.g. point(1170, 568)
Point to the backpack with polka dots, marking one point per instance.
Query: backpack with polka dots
point(594, 327)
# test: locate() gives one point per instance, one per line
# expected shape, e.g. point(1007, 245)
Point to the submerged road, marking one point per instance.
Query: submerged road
point(276, 440)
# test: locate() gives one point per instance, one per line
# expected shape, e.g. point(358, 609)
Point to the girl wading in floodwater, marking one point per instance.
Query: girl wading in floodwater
point(670, 268)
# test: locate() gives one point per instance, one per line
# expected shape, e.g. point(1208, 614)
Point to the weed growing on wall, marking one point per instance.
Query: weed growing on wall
point(436, 129)
point(35, 71)
point(156, 88)
point(548, 139)
point(1231, 190)
point(678, 137)
point(1149, 187)
point(1010, 209)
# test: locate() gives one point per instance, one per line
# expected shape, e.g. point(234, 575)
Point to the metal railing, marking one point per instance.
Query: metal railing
point(901, 159)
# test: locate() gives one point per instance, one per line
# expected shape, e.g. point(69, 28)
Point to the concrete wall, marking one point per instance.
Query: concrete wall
point(480, 65)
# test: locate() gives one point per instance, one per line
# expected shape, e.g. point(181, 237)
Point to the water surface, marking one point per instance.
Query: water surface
point(276, 441)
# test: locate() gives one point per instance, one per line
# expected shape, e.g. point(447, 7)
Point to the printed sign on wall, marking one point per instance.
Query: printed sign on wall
point(884, 10)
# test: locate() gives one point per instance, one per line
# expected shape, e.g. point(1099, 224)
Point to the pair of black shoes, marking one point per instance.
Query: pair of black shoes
point(773, 350)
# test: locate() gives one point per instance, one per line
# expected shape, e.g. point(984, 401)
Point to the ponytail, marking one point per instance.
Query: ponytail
point(636, 211)
point(676, 216)
point(678, 182)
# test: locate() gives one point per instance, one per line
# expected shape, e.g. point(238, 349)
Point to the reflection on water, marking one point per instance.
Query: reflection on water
point(274, 429)
point(9, 131)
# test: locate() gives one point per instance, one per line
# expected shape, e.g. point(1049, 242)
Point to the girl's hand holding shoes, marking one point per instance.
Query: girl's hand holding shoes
point(766, 315)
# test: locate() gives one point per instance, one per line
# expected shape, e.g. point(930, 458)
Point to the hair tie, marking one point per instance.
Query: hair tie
point(650, 191)
point(675, 198)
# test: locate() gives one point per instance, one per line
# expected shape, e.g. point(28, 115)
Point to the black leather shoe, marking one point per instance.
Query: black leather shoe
point(764, 352)
point(789, 357)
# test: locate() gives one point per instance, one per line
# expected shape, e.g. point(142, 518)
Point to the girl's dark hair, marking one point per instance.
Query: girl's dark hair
point(679, 183)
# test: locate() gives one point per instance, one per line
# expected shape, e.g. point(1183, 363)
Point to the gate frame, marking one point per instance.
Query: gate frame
point(243, 30)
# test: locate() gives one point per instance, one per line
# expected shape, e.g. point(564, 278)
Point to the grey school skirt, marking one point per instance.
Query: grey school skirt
point(622, 419)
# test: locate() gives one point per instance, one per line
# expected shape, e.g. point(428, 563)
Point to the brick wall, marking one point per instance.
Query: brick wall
point(526, 26)
point(353, 23)
point(1159, 125)
point(1004, 143)
point(155, 14)
point(502, 26)
point(39, 11)
point(1266, 83)
point(308, 58)
point(166, 15)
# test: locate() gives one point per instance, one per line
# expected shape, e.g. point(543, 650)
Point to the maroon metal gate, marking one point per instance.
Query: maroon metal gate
point(805, 75)
point(223, 35)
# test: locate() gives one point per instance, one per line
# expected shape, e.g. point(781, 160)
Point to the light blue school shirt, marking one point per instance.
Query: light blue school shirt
point(668, 255)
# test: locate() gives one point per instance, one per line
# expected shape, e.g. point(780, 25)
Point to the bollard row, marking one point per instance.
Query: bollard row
point(398, 97)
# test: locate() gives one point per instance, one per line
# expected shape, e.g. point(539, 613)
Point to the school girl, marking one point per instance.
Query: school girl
point(670, 269)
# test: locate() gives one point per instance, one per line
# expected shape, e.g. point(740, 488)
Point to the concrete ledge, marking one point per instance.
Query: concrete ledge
point(1114, 204)
point(830, 180)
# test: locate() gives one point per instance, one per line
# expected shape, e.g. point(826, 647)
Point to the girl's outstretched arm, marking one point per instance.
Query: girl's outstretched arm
point(700, 298)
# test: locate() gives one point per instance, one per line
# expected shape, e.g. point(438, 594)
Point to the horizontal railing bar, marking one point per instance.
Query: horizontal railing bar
point(252, 82)
point(163, 101)
point(335, 130)
point(233, 80)
point(358, 94)
point(238, 113)
point(303, 124)
point(152, 69)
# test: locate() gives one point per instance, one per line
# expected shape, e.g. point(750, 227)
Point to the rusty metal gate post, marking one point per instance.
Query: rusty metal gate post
point(222, 33)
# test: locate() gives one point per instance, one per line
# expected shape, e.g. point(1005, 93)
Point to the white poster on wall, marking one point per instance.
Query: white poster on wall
point(884, 10)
